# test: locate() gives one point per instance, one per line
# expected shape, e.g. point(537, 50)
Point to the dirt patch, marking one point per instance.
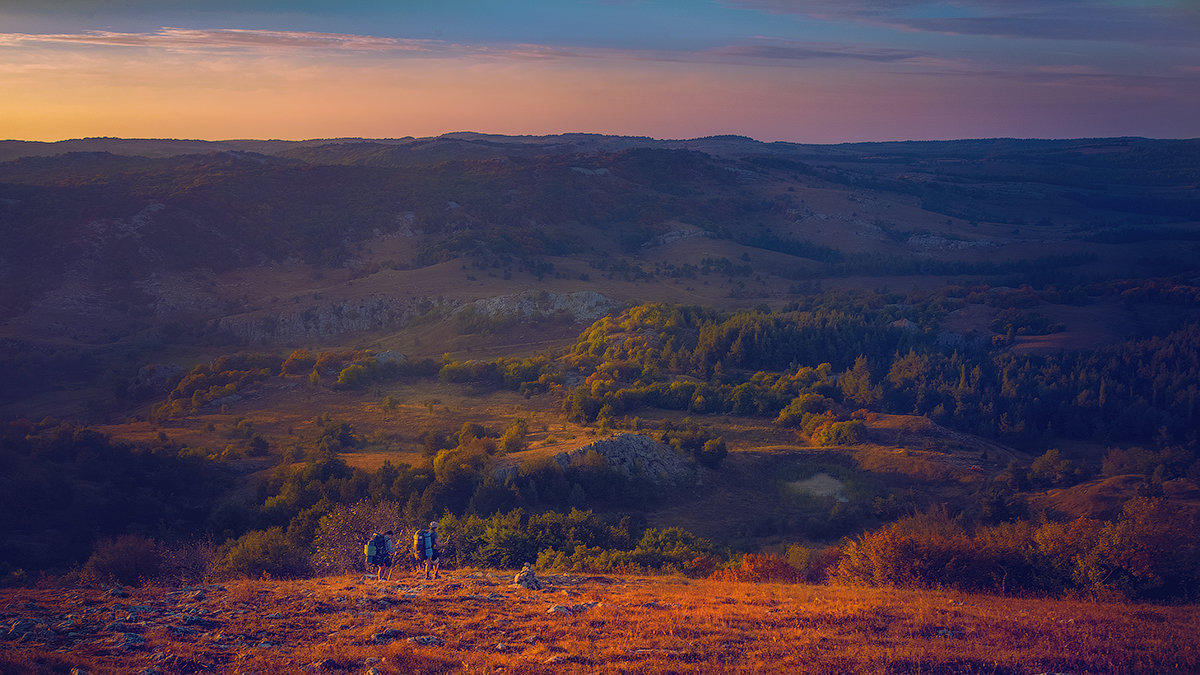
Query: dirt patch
point(820, 485)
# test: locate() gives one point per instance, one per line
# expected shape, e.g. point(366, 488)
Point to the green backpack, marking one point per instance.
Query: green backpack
point(375, 549)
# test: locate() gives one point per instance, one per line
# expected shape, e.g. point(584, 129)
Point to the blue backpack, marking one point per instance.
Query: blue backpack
point(422, 545)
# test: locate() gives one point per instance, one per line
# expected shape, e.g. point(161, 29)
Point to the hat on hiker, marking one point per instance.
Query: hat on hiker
point(433, 525)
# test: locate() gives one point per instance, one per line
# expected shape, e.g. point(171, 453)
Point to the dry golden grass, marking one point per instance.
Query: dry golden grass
point(475, 621)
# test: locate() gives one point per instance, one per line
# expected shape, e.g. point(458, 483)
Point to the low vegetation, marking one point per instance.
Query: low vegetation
point(477, 621)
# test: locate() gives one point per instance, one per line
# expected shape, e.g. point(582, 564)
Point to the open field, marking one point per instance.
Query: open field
point(478, 621)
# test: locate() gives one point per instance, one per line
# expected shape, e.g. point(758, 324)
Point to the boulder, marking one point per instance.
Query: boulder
point(387, 635)
point(636, 455)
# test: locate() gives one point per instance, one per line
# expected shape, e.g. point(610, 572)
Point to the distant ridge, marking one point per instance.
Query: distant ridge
point(719, 145)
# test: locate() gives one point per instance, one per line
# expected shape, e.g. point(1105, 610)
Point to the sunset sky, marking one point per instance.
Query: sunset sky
point(818, 71)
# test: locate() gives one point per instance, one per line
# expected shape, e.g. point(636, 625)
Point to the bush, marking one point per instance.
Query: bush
point(760, 567)
point(129, 559)
point(341, 533)
point(840, 433)
point(187, 562)
point(1151, 551)
point(792, 415)
point(260, 553)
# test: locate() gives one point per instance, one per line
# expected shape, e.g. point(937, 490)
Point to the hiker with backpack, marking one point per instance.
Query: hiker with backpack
point(379, 549)
point(427, 547)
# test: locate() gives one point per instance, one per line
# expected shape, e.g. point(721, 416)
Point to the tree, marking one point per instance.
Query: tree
point(856, 385)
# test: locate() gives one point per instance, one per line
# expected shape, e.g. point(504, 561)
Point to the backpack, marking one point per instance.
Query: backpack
point(375, 549)
point(420, 543)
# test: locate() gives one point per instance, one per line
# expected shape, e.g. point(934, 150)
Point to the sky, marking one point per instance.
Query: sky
point(809, 71)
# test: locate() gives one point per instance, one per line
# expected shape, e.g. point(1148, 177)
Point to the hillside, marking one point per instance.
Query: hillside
point(479, 621)
point(118, 252)
point(967, 365)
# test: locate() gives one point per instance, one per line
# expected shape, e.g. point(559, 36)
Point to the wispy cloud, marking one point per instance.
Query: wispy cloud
point(805, 51)
point(228, 39)
point(1109, 20)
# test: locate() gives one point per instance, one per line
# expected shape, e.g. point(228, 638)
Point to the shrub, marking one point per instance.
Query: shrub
point(840, 433)
point(187, 562)
point(760, 567)
point(261, 552)
point(513, 438)
point(792, 415)
point(341, 533)
point(128, 559)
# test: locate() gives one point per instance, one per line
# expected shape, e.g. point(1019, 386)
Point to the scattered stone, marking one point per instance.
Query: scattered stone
point(325, 664)
point(584, 606)
point(527, 579)
point(178, 664)
point(387, 635)
point(118, 592)
point(131, 640)
point(560, 609)
point(427, 640)
point(20, 628)
point(557, 658)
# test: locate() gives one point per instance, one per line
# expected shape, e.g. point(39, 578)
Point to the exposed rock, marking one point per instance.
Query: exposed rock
point(155, 379)
point(374, 312)
point(387, 635)
point(379, 311)
point(527, 579)
point(131, 640)
point(636, 455)
point(560, 609)
point(533, 305)
point(426, 640)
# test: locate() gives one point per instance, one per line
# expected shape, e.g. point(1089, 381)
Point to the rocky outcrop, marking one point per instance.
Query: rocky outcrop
point(534, 305)
point(636, 455)
point(370, 313)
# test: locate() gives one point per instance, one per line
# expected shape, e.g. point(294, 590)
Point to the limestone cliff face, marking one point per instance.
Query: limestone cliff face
point(534, 305)
point(370, 313)
point(637, 455)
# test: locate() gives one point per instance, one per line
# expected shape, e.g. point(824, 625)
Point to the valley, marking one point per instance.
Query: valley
point(898, 377)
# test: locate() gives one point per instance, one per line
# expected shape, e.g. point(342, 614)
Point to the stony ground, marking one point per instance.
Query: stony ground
point(480, 621)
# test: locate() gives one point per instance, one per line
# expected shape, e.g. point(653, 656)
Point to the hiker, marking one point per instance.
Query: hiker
point(427, 547)
point(379, 549)
point(389, 550)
